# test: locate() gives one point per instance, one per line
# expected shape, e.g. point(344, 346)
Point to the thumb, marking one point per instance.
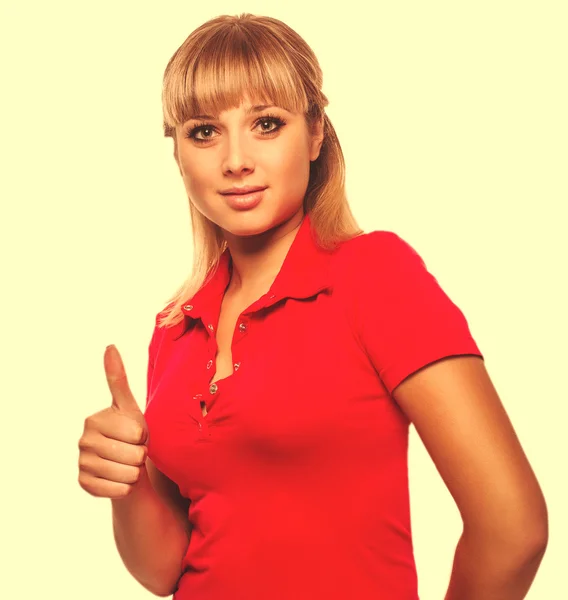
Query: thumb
point(122, 398)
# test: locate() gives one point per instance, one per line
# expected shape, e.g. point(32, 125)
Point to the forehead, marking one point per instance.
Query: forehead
point(213, 93)
point(245, 107)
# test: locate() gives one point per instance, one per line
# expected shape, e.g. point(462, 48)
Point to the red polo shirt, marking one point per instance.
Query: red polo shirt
point(298, 474)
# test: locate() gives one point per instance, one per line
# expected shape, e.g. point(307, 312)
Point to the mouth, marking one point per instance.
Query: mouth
point(244, 201)
point(242, 191)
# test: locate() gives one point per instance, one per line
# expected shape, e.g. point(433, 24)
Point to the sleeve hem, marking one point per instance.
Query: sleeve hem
point(392, 376)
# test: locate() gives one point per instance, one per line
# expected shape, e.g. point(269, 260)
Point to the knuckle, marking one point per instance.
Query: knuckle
point(83, 443)
point(125, 490)
point(82, 461)
point(135, 475)
point(138, 432)
point(90, 421)
point(85, 483)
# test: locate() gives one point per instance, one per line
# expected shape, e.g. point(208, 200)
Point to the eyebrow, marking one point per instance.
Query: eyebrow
point(253, 109)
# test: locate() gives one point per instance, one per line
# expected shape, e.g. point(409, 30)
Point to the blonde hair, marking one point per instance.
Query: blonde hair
point(222, 61)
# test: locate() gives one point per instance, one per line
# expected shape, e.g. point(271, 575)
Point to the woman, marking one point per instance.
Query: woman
point(271, 458)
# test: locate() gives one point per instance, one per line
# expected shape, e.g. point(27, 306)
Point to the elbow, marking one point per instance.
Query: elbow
point(519, 541)
point(537, 542)
point(519, 518)
point(534, 533)
point(528, 555)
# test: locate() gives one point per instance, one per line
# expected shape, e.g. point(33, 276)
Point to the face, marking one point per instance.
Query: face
point(271, 148)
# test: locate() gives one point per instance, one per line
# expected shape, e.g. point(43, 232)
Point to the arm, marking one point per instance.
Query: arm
point(465, 429)
point(480, 571)
point(152, 531)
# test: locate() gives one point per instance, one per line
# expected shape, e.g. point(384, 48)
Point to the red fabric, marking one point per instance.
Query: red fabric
point(298, 474)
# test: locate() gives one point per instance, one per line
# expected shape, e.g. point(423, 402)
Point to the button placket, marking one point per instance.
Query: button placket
point(197, 399)
point(201, 424)
point(243, 329)
point(213, 388)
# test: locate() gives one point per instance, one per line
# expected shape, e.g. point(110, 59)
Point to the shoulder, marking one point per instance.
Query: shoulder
point(378, 254)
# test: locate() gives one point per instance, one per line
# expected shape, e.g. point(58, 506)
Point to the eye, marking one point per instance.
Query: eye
point(271, 119)
point(205, 127)
point(192, 131)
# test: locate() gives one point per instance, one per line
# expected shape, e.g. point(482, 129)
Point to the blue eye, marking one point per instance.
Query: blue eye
point(193, 131)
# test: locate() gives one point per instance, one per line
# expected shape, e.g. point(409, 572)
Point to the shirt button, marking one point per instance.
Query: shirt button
point(209, 364)
point(210, 327)
point(243, 327)
point(213, 388)
point(236, 366)
point(188, 307)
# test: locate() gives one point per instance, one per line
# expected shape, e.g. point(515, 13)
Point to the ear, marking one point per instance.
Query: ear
point(317, 139)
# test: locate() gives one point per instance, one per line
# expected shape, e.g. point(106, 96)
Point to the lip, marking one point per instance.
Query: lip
point(244, 201)
point(248, 189)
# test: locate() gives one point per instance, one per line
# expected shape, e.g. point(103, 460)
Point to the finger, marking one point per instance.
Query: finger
point(103, 488)
point(119, 426)
point(122, 397)
point(108, 469)
point(121, 452)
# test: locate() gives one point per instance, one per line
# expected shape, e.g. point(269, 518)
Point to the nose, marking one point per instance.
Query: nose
point(238, 157)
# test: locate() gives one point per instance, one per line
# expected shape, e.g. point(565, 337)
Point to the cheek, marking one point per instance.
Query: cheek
point(298, 169)
point(196, 174)
point(294, 166)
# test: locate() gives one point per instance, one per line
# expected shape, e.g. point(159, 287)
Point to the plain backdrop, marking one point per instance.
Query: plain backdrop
point(452, 118)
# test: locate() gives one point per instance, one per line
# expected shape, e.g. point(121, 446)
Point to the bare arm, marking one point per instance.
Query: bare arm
point(465, 429)
point(483, 570)
point(152, 531)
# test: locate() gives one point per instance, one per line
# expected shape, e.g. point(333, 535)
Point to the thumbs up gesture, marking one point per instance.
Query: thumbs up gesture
point(113, 447)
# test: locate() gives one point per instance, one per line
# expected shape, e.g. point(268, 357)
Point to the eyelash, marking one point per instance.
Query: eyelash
point(268, 117)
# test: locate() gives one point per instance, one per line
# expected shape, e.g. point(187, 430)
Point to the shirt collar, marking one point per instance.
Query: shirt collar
point(304, 273)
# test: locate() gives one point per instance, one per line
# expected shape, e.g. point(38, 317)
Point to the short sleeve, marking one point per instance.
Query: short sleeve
point(405, 320)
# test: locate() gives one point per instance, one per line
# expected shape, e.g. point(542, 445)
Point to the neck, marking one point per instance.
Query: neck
point(256, 260)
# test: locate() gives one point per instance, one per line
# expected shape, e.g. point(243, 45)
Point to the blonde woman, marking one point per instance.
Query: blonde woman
point(270, 461)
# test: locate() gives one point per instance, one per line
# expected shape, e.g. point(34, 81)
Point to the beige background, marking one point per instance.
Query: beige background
point(454, 126)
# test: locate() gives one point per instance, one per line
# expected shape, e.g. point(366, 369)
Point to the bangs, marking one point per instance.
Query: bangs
point(212, 75)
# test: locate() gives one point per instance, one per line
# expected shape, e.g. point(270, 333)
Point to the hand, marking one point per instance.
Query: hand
point(113, 447)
